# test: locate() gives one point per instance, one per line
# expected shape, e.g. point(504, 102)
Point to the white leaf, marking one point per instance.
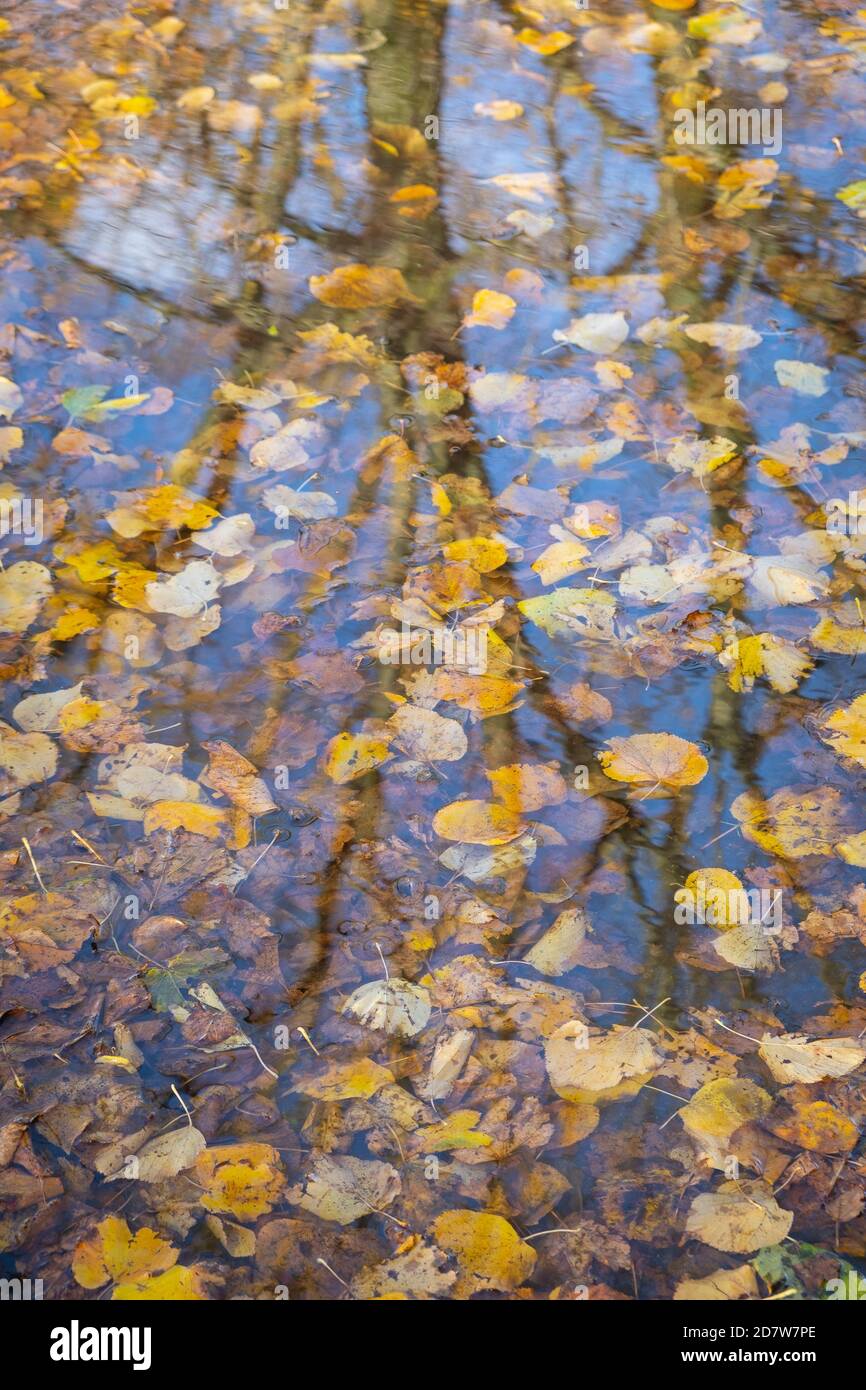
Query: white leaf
point(599, 333)
point(187, 593)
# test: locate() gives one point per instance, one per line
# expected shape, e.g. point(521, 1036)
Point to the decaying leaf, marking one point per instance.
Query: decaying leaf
point(791, 1057)
point(342, 1188)
point(739, 1216)
point(586, 1067)
point(393, 1006)
point(488, 1251)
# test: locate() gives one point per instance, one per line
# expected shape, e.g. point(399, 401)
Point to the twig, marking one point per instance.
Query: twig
point(184, 1104)
point(26, 843)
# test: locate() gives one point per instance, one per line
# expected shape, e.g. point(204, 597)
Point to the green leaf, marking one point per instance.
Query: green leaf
point(853, 195)
point(82, 399)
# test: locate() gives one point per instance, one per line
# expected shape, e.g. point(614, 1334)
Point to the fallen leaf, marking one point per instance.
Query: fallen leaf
point(587, 1068)
point(740, 1217)
point(488, 1251)
point(660, 761)
point(361, 287)
point(392, 1006)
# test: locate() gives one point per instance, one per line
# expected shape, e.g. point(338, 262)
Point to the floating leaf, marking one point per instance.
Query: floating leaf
point(719, 1109)
point(490, 309)
point(791, 1057)
point(723, 1284)
point(730, 337)
point(560, 948)
point(361, 287)
point(818, 1126)
point(794, 821)
point(739, 1217)
point(341, 1188)
point(604, 1066)
point(114, 1254)
point(598, 333)
point(545, 44)
point(845, 731)
point(478, 823)
point(805, 378)
point(659, 761)
point(24, 587)
point(245, 1180)
point(391, 1006)
point(352, 755)
point(488, 1251)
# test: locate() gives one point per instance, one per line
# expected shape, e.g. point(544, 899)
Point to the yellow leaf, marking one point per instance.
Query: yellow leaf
point(483, 696)
point(694, 169)
point(662, 761)
point(720, 894)
point(719, 1109)
point(586, 1068)
point(560, 949)
point(441, 500)
point(560, 561)
point(159, 509)
point(790, 1057)
point(361, 287)
point(209, 821)
point(77, 714)
point(720, 1286)
point(477, 823)
point(427, 736)
point(780, 661)
point(351, 755)
point(488, 1251)
point(490, 309)
point(114, 1254)
point(820, 1127)
point(176, 1285)
point(728, 337)
point(739, 1217)
point(845, 731)
point(528, 786)
point(794, 822)
point(482, 553)
point(196, 98)
point(232, 775)
point(545, 44)
point(360, 1078)
point(109, 1059)
point(572, 612)
point(245, 1180)
point(24, 587)
point(701, 456)
point(416, 201)
point(499, 110)
point(853, 850)
point(458, 1131)
point(830, 636)
point(130, 106)
point(72, 623)
point(129, 589)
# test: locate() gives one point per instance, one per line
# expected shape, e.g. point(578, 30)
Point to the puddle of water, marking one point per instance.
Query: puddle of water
point(178, 206)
